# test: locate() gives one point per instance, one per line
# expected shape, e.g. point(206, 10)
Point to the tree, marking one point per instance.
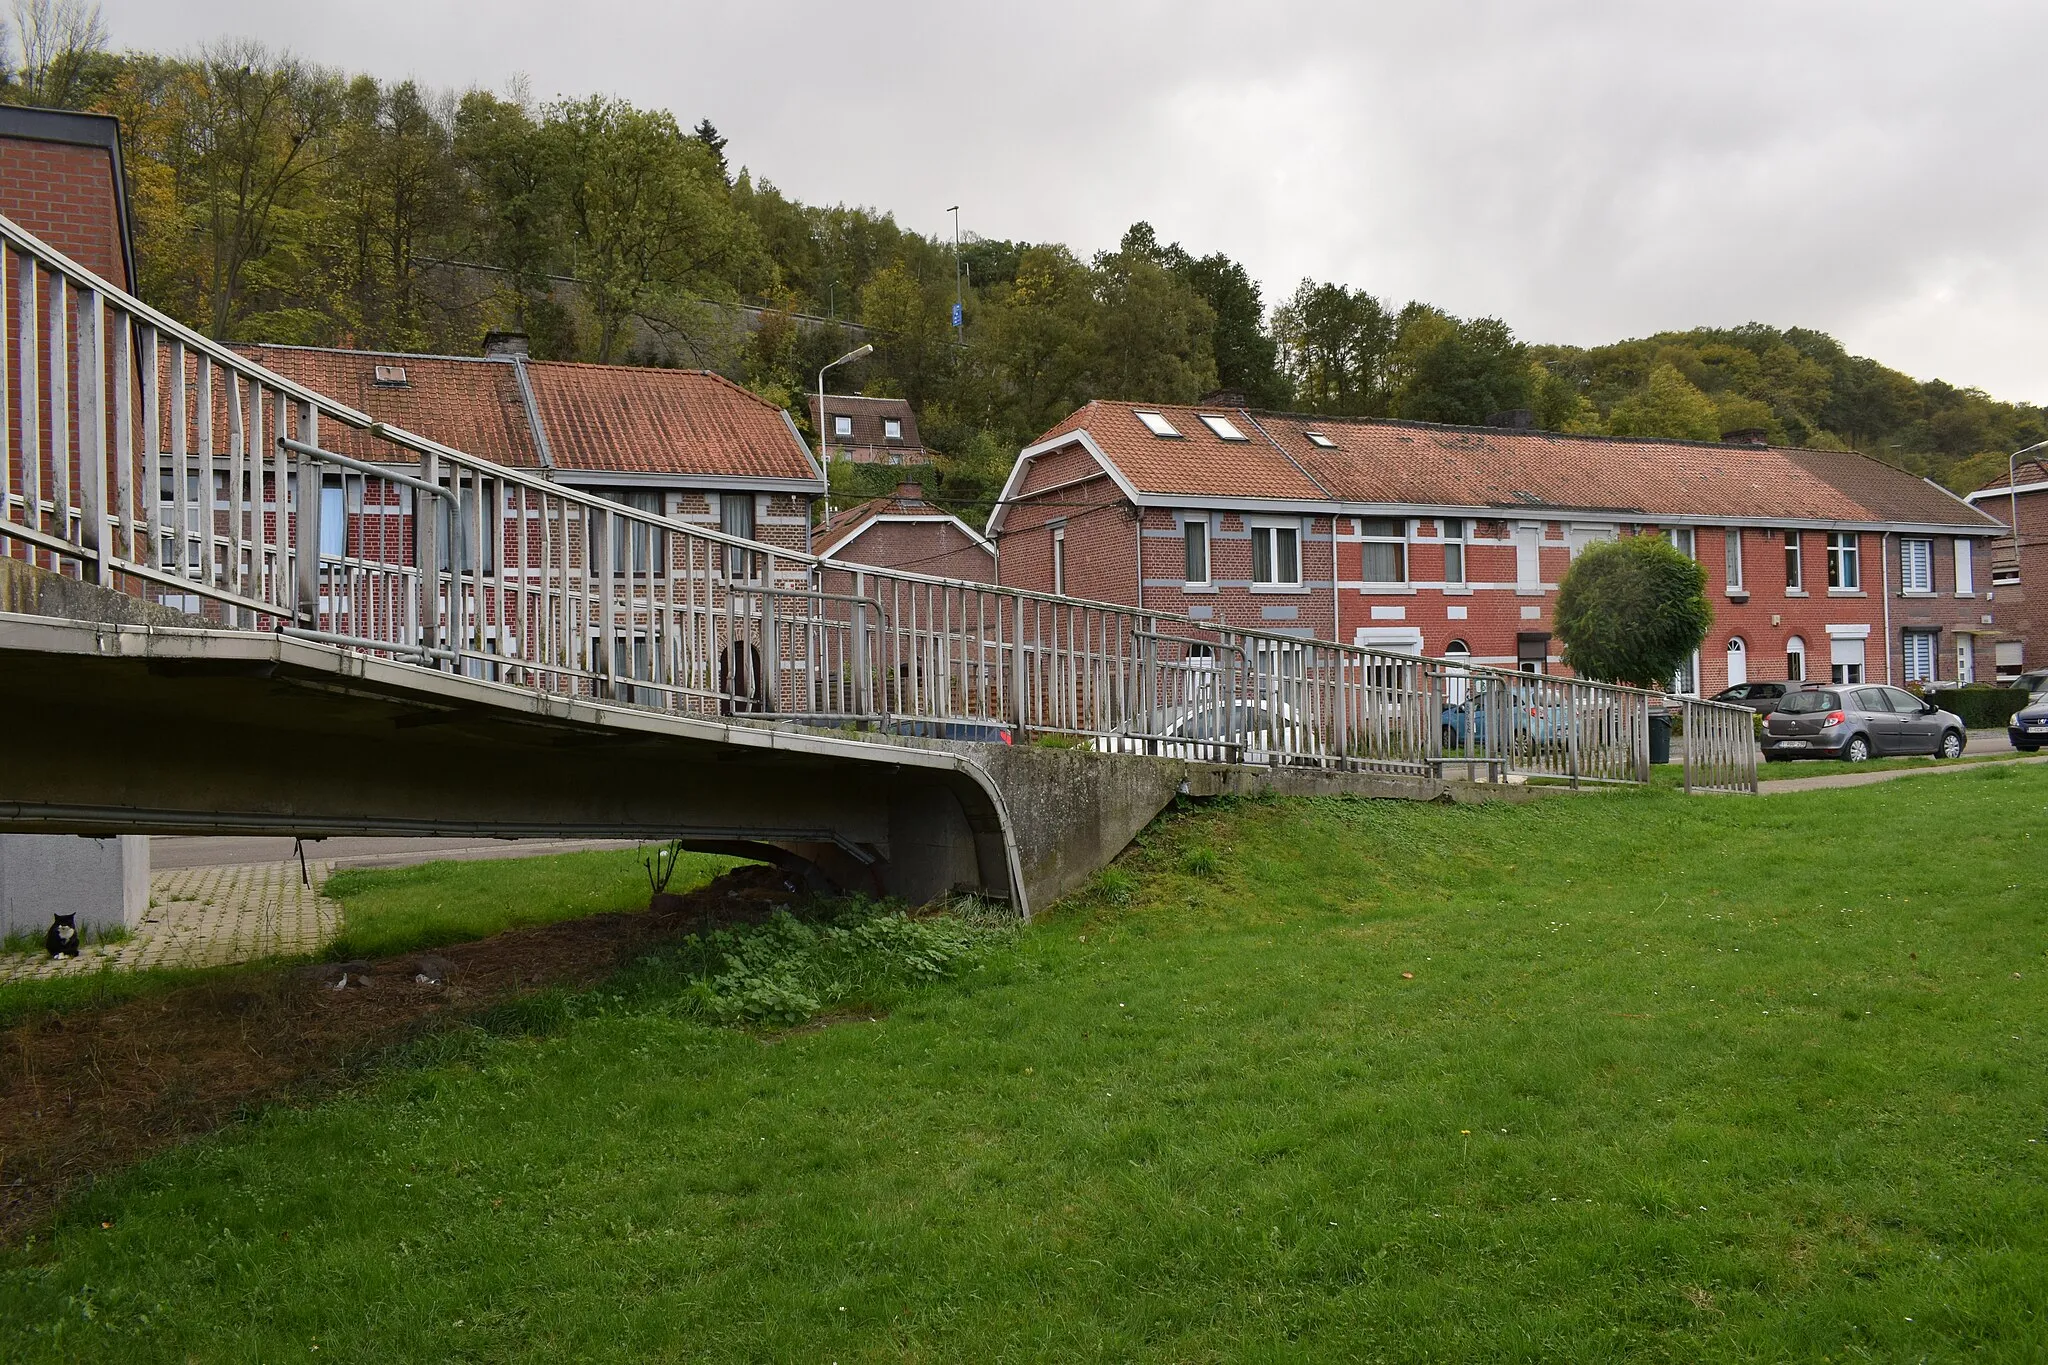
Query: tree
point(1336, 349)
point(1668, 406)
point(707, 133)
point(1632, 611)
point(62, 62)
point(1247, 355)
point(652, 225)
point(518, 188)
point(1468, 374)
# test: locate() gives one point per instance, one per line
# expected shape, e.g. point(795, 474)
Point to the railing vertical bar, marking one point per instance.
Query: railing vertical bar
point(92, 434)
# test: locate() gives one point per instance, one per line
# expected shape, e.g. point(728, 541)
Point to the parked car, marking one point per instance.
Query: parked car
point(1761, 697)
point(1249, 729)
point(2030, 683)
point(1856, 723)
point(1528, 717)
point(970, 731)
point(2028, 728)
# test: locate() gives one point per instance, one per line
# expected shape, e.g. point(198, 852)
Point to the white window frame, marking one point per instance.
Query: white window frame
point(842, 426)
point(1682, 540)
point(892, 428)
point(1156, 423)
point(1192, 531)
point(1267, 572)
point(1452, 531)
point(1795, 564)
point(1734, 565)
point(1059, 561)
point(1738, 649)
point(1795, 649)
point(1916, 566)
point(1845, 561)
point(1966, 566)
point(1919, 655)
point(1400, 541)
point(1224, 428)
point(1528, 537)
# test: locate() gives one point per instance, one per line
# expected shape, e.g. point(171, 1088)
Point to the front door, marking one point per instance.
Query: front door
point(1738, 662)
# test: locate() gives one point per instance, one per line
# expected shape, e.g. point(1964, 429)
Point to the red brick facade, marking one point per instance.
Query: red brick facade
point(66, 195)
point(1398, 583)
point(2022, 645)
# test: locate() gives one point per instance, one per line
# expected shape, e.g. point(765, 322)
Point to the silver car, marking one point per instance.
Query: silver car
point(1856, 723)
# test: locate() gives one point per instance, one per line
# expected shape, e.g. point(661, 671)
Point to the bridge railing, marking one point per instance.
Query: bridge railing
point(140, 455)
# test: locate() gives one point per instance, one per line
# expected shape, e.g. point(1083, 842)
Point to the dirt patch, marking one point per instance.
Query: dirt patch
point(85, 1094)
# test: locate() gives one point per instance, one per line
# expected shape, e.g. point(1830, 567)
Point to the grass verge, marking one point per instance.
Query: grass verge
point(403, 909)
point(1639, 1078)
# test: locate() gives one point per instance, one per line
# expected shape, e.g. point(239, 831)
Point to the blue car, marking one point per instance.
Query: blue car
point(1528, 718)
point(2028, 728)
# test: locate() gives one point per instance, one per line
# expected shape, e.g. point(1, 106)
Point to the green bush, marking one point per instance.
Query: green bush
point(1631, 611)
point(1982, 708)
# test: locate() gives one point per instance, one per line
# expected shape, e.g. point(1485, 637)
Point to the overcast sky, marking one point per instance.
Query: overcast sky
point(1586, 170)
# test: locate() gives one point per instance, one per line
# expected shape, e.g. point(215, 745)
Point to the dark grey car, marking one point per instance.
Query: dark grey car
point(1856, 723)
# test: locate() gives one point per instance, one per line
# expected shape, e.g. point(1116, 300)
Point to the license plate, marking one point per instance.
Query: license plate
point(1793, 744)
point(2037, 729)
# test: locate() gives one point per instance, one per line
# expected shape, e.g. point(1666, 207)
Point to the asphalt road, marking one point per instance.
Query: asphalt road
point(169, 852)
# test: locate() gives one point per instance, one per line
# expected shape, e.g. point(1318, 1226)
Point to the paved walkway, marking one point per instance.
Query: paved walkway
point(207, 917)
point(1809, 784)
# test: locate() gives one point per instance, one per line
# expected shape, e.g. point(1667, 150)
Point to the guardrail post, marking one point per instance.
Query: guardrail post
point(426, 536)
point(1571, 733)
point(92, 433)
point(306, 519)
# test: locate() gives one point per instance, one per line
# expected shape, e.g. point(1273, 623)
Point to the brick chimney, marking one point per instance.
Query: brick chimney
point(506, 343)
point(1746, 436)
point(910, 491)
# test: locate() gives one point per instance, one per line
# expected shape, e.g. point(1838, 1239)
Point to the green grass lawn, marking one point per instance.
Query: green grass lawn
point(1825, 767)
point(400, 909)
point(1671, 1080)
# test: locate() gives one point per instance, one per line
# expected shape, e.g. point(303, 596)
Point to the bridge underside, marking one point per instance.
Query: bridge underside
point(129, 729)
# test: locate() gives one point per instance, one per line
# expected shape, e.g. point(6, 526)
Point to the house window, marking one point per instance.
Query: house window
point(2009, 659)
point(1844, 573)
point(1916, 569)
point(1532, 652)
point(637, 542)
point(1528, 556)
point(333, 517)
point(1320, 441)
point(1795, 579)
point(1059, 561)
point(1734, 561)
point(1223, 427)
point(892, 429)
point(1966, 575)
point(736, 518)
point(1918, 652)
point(1795, 660)
point(1966, 660)
point(1276, 555)
point(1454, 551)
point(1386, 549)
point(1681, 540)
point(1195, 544)
point(1845, 659)
point(842, 426)
point(1156, 424)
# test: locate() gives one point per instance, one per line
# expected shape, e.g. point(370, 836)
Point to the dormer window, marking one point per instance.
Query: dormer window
point(1316, 438)
point(1156, 424)
point(1223, 427)
point(892, 429)
point(390, 376)
point(842, 426)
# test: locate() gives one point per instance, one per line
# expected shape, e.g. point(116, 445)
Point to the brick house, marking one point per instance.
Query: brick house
point(2017, 562)
point(868, 430)
point(1451, 540)
point(688, 444)
point(904, 531)
point(61, 178)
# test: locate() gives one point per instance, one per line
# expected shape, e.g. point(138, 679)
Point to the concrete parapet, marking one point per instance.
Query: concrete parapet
point(105, 882)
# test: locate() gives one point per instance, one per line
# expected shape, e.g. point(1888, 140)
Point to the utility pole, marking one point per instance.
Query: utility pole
point(959, 293)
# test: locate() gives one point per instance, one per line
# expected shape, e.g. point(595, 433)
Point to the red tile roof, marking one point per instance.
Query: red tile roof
point(1421, 464)
point(847, 523)
point(2030, 471)
point(623, 419)
point(610, 419)
point(472, 405)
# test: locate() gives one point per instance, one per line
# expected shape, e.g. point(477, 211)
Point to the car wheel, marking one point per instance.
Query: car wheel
point(1952, 745)
point(1451, 740)
point(1776, 758)
point(1858, 750)
point(2028, 748)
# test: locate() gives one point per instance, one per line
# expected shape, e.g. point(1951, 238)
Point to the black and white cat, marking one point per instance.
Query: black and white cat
point(62, 940)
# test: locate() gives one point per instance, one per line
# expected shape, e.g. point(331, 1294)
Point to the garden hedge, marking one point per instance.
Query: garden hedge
point(1982, 708)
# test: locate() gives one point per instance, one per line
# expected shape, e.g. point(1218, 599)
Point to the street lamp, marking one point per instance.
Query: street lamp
point(2012, 487)
point(824, 446)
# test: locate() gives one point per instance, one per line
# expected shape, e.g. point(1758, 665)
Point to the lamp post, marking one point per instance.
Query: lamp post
point(959, 294)
point(2012, 488)
point(824, 441)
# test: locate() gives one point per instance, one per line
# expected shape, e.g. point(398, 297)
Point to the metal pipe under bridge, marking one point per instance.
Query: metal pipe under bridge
point(237, 604)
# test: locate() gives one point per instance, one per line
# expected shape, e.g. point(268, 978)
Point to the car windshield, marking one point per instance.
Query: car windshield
point(2040, 698)
point(1799, 703)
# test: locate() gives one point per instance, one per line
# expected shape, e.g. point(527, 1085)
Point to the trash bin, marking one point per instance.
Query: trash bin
point(1660, 737)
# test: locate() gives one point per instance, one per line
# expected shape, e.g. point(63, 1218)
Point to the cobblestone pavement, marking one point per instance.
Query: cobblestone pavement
point(207, 917)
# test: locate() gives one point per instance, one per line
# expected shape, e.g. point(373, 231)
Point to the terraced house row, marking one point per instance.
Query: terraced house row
point(1451, 541)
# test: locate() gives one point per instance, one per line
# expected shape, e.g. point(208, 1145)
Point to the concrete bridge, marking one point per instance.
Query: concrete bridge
point(216, 621)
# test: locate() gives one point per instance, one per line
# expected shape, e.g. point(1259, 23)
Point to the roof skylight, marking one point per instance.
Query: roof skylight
point(1316, 438)
point(1155, 423)
point(1223, 427)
